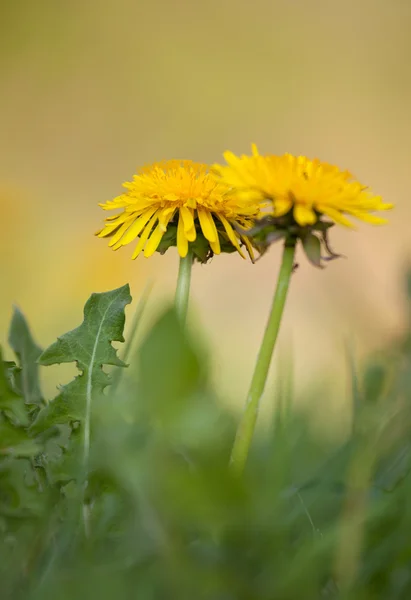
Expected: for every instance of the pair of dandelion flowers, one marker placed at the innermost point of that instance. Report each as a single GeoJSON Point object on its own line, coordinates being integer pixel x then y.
{"type": "Point", "coordinates": [244, 205]}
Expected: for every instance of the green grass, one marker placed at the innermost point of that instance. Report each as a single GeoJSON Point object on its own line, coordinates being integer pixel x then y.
{"type": "Point", "coordinates": [156, 513]}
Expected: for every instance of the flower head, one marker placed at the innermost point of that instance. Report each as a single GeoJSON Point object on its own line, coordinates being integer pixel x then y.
{"type": "Point", "coordinates": [297, 193]}
{"type": "Point", "coordinates": [309, 188]}
{"type": "Point", "coordinates": [177, 203]}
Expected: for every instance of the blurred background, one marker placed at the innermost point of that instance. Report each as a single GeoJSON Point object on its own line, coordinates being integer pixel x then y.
{"type": "Point", "coordinates": [92, 90]}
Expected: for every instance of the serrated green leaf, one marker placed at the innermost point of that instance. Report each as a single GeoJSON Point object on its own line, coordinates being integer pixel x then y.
{"type": "Point", "coordinates": [27, 352]}
{"type": "Point", "coordinates": [90, 346]}
{"type": "Point", "coordinates": [10, 402]}
{"type": "Point", "coordinates": [17, 497]}
{"type": "Point", "coordinates": [14, 441]}
{"type": "Point", "coordinates": [13, 372]}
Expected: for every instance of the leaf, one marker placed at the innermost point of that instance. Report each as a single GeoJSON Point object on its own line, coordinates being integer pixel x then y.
{"type": "Point", "coordinates": [312, 249]}
{"type": "Point", "coordinates": [14, 441]}
{"type": "Point", "coordinates": [10, 402]}
{"type": "Point", "coordinates": [90, 347]}
{"type": "Point", "coordinates": [375, 377]}
{"type": "Point", "coordinates": [17, 497]}
{"type": "Point", "coordinates": [169, 367]}
{"type": "Point", "coordinates": [27, 352]}
{"type": "Point", "coordinates": [14, 375]}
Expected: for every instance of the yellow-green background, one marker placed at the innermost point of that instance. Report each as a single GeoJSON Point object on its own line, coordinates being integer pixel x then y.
{"type": "Point", "coordinates": [92, 89]}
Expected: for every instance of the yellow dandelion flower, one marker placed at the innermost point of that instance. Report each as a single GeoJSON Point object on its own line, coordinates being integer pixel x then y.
{"type": "Point", "coordinates": [308, 188]}
{"type": "Point", "coordinates": [179, 203]}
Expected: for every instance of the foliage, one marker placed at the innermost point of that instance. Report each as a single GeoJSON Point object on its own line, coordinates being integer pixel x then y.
{"type": "Point", "coordinates": [127, 493]}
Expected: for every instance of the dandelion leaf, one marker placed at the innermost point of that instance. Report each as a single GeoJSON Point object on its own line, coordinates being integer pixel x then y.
{"type": "Point", "coordinates": [170, 368]}
{"type": "Point", "coordinates": [14, 441]}
{"type": "Point", "coordinates": [11, 402]}
{"type": "Point", "coordinates": [27, 352]}
{"type": "Point", "coordinates": [90, 347]}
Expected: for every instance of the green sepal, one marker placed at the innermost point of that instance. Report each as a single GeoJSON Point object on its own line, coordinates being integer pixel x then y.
{"type": "Point", "coordinates": [200, 247]}
{"type": "Point", "coordinates": [169, 239]}
{"type": "Point", "coordinates": [312, 249]}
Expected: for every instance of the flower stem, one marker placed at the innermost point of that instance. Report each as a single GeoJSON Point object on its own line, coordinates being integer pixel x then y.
{"type": "Point", "coordinates": [247, 424]}
{"type": "Point", "coordinates": [183, 286]}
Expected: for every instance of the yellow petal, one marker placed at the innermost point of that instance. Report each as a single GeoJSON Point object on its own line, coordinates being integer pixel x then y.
{"type": "Point", "coordinates": [191, 234]}
{"type": "Point", "coordinates": [144, 236]}
{"type": "Point", "coordinates": [368, 218]}
{"type": "Point", "coordinates": [154, 241]}
{"type": "Point", "coordinates": [231, 235]}
{"type": "Point", "coordinates": [182, 242]}
{"type": "Point", "coordinates": [230, 158]}
{"type": "Point", "coordinates": [111, 218]}
{"type": "Point", "coordinates": [188, 219]}
{"type": "Point", "coordinates": [304, 215]}
{"type": "Point", "coordinates": [138, 226]}
{"type": "Point", "coordinates": [215, 246]}
{"type": "Point", "coordinates": [254, 150]}
{"type": "Point", "coordinates": [386, 206]}
{"type": "Point", "coordinates": [109, 228]}
{"type": "Point", "coordinates": [249, 247]}
{"type": "Point", "coordinates": [281, 207]}
{"type": "Point", "coordinates": [121, 231]}
{"type": "Point", "coordinates": [118, 202]}
{"type": "Point", "coordinates": [191, 203]}
{"type": "Point", "coordinates": [164, 217]}
{"type": "Point", "coordinates": [171, 197]}
{"type": "Point", "coordinates": [335, 215]}
{"type": "Point", "coordinates": [207, 224]}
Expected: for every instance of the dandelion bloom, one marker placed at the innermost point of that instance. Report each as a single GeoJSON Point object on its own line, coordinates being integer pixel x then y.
{"type": "Point", "coordinates": [178, 202]}
{"type": "Point", "coordinates": [308, 188]}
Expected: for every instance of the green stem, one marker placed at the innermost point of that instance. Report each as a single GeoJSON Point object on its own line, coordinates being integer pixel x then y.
{"type": "Point", "coordinates": [247, 424]}
{"type": "Point", "coordinates": [183, 286]}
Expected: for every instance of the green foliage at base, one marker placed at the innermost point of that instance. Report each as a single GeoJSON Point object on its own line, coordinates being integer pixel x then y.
{"type": "Point", "coordinates": [162, 516]}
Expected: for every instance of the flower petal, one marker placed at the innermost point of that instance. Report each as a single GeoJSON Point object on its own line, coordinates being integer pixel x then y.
{"type": "Point", "coordinates": [191, 234]}
{"type": "Point", "coordinates": [215, 246]}
{"type": "Point", "coordinates": [207, 224]}
{"type": "Point", "coordinates": [182, 242]}
{"type": "Point", "coordinates": [138, 226]}
{"type": "Point", "coordinates": [304, 215]}
{"type": "Point", "coordinates": [154, 241]}
{"type": "Point", "coordinates": [231, 235]}
{"type": "Point", "coordinates": [165, 215]}
{"type": "Point", "coordinates": [249, 247]}
{"type": "Point", "coordinates": [368, 218]}
{"type": "Point", "coordinates": [335, 215]}
{"type": "Point", "coordinates": [109, 228]}
{"type": "Point", "coordinates": [188, 219]}
{"type": "Point", "coordinates": [281, 207]}
{"type": "Point", "coordinates": [144, 236]}
{"type": "Point", "coordinates": [121, 231]}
